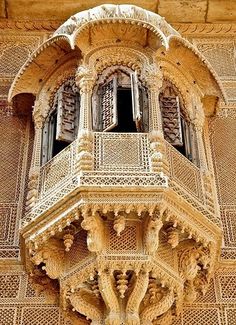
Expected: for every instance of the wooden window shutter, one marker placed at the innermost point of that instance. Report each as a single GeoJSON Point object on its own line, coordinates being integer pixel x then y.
{"type": "Point", "coordinates": [171, 120]}
{"type": "Point", "coordinates": [45, 143]}
{"type": "Point", "coordinates": [67, 115]}
{"type": "Point", "coordinates": [137, 116]}
{"type": "Point", "coordinates": [144, 108]}
{"type": "Point", "coordinates": [108, 102]}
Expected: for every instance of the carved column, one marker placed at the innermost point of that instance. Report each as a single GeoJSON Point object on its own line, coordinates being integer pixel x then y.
{"type": "Point", "coordinates": [158, 156]}
{"type": "Point", "coordinates": [85, 80]}
{"type": "Point", "coordinates": [198, 123]}
{"type": "Point", "coordinates": [34, 172]}
{"type": "Point", "coordinates": [154, 80]}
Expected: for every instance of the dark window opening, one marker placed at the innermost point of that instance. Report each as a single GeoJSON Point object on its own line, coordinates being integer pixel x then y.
{"type": "Point", "coordinates": [120, 104]}
{"type": "Point", "coordinates": [124, 110]}
{"type": "Point", "coordinates": [57, 145]}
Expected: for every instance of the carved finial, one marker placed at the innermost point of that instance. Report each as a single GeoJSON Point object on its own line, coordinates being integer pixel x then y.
{"type": "Point", "coordinates": [122, 283]}
{"type": "Point", "coordinates": [119, 224]}
{"type": "Point", "coordinates": [68, 241]}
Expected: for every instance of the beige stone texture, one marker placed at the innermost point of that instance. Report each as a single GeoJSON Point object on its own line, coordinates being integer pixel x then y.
{"type": "Point", "coordinates": [183, 11]}
{"type": "Point", "coordinates": [28, 9]}
{"type": "Point", "coordinates": [221, 10]}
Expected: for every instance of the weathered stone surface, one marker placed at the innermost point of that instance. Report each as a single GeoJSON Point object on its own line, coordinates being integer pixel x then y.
{"type": "Point", "coordinates": [28, 9]}
{"type": "Point", "coordinates": [219, 10]}
{"type": "Point", "coordinates": [2, 9]}
{"type": "Point", "coordinates": [183, 11]}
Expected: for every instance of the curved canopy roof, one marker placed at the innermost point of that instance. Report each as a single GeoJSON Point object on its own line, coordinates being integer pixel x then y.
{"type": "Point", "coordinates": [65, 42]}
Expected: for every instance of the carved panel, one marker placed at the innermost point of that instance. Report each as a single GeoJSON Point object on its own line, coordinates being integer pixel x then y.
{"type": "Point", "coordinates": [8, 315]}
{"type": "Point", "coordinates": [9, 286]}
{"type": "Point", "coordinates": [223, 131]}
{"type": "Point", "coordinates": [229, 227]}
{"type": "Point", "coordinates": [203, 316]}
{"type": "Point", "coordinates": [230, 316]}
{"type": "Point", "coordinates": [118, 152]}
{"type": "Point", "coordinates": [227, 288]}
{"type": "Point", "coordinates": [127, 241]}
{"type": "Point", "coordinates": [220, 54]}
{"type": "Point", "coordinates": [14, 144]}
{"type": "Point", "coordinates": [58, 170]}
{"type": "Point", "coordinates": [20, 304]}
{"type": "Point", "coordinates": [184, 172]}
{"type": "Point", "coordinates": [40, 315]}
{"type": "Point", "coordinates": [15, 50]}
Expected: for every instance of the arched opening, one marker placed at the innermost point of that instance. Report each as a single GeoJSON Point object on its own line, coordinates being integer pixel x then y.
{"type": "Point", "coordinates": [61, 125]}
{"type": "Point", "coordinates": [120, 102]}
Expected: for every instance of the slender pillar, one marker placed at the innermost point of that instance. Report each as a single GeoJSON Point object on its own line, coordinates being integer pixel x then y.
{"type": "Point", "coordinates": [199, 122]}
{"type": "Point", "coordinates": [33, 184]}
{"type": "Point", "coordinates": [159, 162]}
{"type": "Point", "coordinates": [85, 81]}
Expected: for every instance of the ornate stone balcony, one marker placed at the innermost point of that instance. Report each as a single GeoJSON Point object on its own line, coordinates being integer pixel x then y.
{"type": "Point", "coordinates": [133, 228]}
{"type": "Point", "coordinates": [120, 226]}
{"type": "Point", "coordinates": [123, 160]}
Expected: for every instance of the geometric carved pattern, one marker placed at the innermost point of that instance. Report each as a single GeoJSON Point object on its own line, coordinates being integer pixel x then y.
{"type": "Point", "coordinates": [12, 141]}
{"type": "Point", "coordinates": [79, 250]}
{"type": "Point", "coordinates": [9, 286]}
{"type": "Point", "coordinates": [7, 223]}
{"type": "Point", "coordinates": [117, 152]}
{"type": "Point", "coordinates": [230, 316]}
{"type": "Point", "coordinates": [184, 172]}
{"type": "Point", "coordinates": [43, 316]}
{"type": "Point", "coordinates": [224, 157]}
{"type": "Point", "coordinates": [229, 226]}
{"type": "Point", "coordinates": [203, 316]}
{"type": "Point", "coordinates": [127, 241]}
{"type": "Point", "coordinates": [221, 56]}
{"type": "Point", "coordinates": [227, 286]}
{"type": "Point", "coordinates": [19, 304]}
{"type": "Point", "coordinates": [14, 51]}
{"type": "Point", "coordinates": [8, 315]}
{"type": "Point", "coordinates": [58, 170]}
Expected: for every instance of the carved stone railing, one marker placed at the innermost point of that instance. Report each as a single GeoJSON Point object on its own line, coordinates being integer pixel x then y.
{"type": "Point", "coordinates": [128, 152]}
{"type": "Point", "coordinates": [186, 179]}
{"type": "Point", "coordinates": [120, 160]}
{"type": "Point", "coordinates": [58, 171]}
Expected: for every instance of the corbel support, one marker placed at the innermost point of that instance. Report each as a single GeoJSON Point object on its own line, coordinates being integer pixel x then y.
{"type": "Point", "coordinates": [135, 298]}
{"type": "Point", "coordinates": [108, 292]}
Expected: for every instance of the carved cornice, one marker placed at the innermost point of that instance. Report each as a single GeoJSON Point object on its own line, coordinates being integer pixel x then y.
{"type": "Point", "coordinates": [29, 25]}
{"type": "Point", "coordinates": [187, 29]}
{"type": "Point", "coordinates": [200, 29]}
